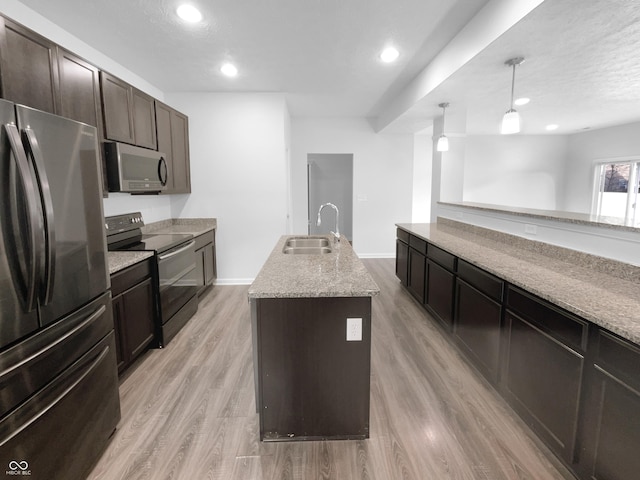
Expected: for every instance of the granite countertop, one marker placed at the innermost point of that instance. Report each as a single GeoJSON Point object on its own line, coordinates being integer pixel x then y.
{"type": "Point", "coordinates": [608, 299]}
{"type": "Point", "coordinates": [601, 221]}
{"type": "Point", "coordinates": [336, 274]}
{"type": "Point", "coordinates": [194, 226]}
{"type": "Point", "coordinates": [120, 260]}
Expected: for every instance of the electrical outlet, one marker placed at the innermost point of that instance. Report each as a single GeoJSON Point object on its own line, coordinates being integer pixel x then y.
{"type": "Point", "coordinates": [354, 329]}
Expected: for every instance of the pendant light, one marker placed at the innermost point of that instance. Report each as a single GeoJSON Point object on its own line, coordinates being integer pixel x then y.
{"type": "Point", "coordinates": [511, 119]}
{"type": "Point", "coordinates": [443, 141]}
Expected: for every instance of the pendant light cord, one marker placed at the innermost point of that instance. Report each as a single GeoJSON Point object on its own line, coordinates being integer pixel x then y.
{"type": "Point", "coordinates": [513, 84]}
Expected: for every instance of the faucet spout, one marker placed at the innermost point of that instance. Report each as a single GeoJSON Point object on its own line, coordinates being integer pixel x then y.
{"type": "Point", "coordinates": [336, 234]}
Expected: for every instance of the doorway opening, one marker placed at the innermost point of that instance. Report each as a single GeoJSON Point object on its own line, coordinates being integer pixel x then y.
{"type": "Point", "coordinates": [330, 180]}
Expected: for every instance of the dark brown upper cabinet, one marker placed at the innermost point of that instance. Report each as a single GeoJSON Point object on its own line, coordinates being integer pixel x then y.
{"type": "Point", "coordinates": [129, 114]}
{"type": "Point", "coordinates": [144, 119]}
{"type": "Point", "coordinates": [28, 67]}
{"type": "Point", "coordinates": [79, 89]}
{"type": "Point", "coordinates": [117, 107]}
{"type": "Point", "coordinates": [80, 95]}
{"type": "Point", "coordinates": [173, 141]}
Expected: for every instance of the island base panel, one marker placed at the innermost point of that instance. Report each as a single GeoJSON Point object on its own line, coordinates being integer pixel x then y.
{"type": "Point", "coordinates": [313, 384]}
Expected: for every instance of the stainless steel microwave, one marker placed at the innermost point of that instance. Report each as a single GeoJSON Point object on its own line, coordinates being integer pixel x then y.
{"type": "Point", "coordinates": [134, 169]}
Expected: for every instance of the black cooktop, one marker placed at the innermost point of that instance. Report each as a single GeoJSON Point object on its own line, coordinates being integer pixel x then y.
{"type": "Point", "coordinates": [160, 242]}
{"type": "Point", "coordinates": [124, 232]}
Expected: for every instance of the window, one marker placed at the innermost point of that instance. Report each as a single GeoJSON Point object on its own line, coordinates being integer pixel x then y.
{"type": "Point", "coordinates": [617, 190]}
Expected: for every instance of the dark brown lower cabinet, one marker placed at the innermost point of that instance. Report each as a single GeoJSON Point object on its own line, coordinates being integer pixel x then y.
{"type": "Point", "coordinates": [477, 328]}
{"type": "Point", "coordinates": [542, 382]}
{"type": "Point", "coordinates": [311, 383]}
{"type": "Point", "coordinates": [133, 312]}
{"type": "Point", "coordinates": [205, 260]}
{"type": "Point", "coordinates": [417, 274]}
{"type": "Point", "coordinates": [544, 362]}
{"type": "Point", "coordinates": [611, 421]}
{"type": "Point", "coordinates": [440, 292]}
{"type": "Point", "coordinates": [402, 261]}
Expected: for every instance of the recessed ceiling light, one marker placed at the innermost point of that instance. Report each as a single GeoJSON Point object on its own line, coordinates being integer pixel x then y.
{"type": "Point", "coordinates": [229, 70]}
{"type": "Point", "coordinates": [522, 101]}
{"type": "Point", "coordinates": [389, 55]}
{"type": "Point", "coordinates": [189, 13]}
{"type": "Point", "coordinates": [551, 127]}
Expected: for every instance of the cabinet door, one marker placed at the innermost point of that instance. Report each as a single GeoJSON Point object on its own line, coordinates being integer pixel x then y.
{"type": "Point", "coordinates": [80, 97]}
{"type": "Point", "coordinates": [121, 341]}
{"type": "Point", "coordinates": [144, 120]}
{"type": "Point", "coordinates": [28, 67]}
{"type": "Point", "coordinates": [477, 328]}
{"type": "Point", "coordinates": [209, 264]}
{"type": "Point", "coordinates": [173, 141]}
{"type": "Point", "coordinates": [180, 153]}
{"type": "Point", "coordinates": [542, 381]}
{"type": "Point", "coordinates": [439, 292]}
{"type": "Point", "coordinates": [402, 262]}
{"type": "Point", "coordinates": [138, 317]}
{"type": "Point", "coordinates": [117, 105]}
{"type": "Point", "coordinates": [417, 274]}
{"type": "Point", "coordinates": [79, 89]}
{"type": "Point", "coordinates": [611, 436]}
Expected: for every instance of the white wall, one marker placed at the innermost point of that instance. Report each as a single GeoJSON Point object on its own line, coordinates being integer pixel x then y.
{"type": "Point", "coordinates": [153, 207]}
{"type": "Point", "coordinates": [586, 149]}
{"type": "Point", "coordinates": [238, 175]}
{"type": "Point", "coordinates": [515, 170]}
{"type": "Point", "coordinates": [422, 164]}
{"type": "Point", "coordinates": [382, 177]}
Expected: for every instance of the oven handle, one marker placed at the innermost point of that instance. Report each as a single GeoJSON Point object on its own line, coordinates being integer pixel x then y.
{"type": "Point", "coordinates": [161, 258]}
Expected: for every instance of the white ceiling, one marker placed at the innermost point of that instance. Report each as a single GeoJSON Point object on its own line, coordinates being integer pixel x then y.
{"type": "Point", "coordinates": [581, 71]}
{"type": "Point", "coordinates": [322, 53]}
{"type": "Point", "coordinates": [582, 68]}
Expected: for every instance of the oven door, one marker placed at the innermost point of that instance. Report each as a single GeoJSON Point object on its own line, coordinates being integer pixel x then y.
{"type": "Point", "coordinates": [177, 275]}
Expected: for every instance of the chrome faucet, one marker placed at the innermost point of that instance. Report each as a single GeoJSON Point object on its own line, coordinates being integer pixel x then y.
{"type": "Point", "coordinates": [336, 234]}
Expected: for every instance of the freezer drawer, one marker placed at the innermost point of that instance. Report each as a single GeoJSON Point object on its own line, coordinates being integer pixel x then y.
{"type": "Point", "coordinates": [31, 364]}
{"type": "Point", "coordinates": [60, 432]}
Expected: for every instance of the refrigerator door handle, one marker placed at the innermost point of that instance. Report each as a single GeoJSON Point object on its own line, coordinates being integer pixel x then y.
{"type": "Point", "coordinates": [48, 273]}
{"type": "Point", "coordinates": [34, 219]}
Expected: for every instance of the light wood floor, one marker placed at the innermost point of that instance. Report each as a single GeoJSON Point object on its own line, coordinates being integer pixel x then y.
{"type": "Point", "coordinates": [188, 411]}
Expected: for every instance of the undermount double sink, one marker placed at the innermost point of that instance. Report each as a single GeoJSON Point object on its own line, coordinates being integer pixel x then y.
{"type": "Point", "coordinates": [307, 246]}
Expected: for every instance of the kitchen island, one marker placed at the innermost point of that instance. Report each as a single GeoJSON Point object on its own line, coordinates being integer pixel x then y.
{"type": "Point", "coordinates": [311, 328]}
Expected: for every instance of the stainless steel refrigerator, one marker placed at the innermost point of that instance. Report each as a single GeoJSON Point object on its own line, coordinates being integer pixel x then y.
{"type": "Point", "coordinates": [59, 399]}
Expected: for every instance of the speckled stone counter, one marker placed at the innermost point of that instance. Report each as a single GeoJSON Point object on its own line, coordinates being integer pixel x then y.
{"type": "Point", "coordinates": [336, 274]}
{"type": "Point", "coordinates": [600, 221]}
{"type": "Point", "coordinates": [194, 226]}
{"type": "Point", "coordinates": [121, 260]}
{"type": "Point", "coordinates": [602, 291]}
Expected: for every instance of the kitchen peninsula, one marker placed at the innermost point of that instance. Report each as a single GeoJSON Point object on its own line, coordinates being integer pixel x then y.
{"type": "Point", "coordinates": [311, 328]}
{"type": "Point", "coordinates": [556, 331]}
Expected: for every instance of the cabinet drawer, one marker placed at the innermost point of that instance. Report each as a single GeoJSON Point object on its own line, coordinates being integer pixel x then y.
{"type": "Point", "coordinates": [445, 259]}
{"type": "Point", "coordinates": [402, 235]}
{"type": "Point", "coordinates": [129, 277]}
{"type": "Point", "coordinates": [204, 239]}
{"type": "Point", "coordinates": [483, 281]}
{"type": "Point", "coordinates": [418, 244]}
{"type": "Point", "coordinates": [564, 327]}
{"type": "Point", "coordinates": [619, 358]}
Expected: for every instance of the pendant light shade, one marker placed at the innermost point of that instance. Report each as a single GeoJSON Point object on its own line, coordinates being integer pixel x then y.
{"type": "Point", "coordinates": [511, 119]}
{"type": "Point", "coordinates": [443, 141]}
{"type": "Point", "coordinates": [510, 122]}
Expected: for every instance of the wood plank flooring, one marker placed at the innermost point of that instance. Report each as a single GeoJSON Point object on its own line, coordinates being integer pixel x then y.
{"type": "Point", "coordinates": [188, 411]}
